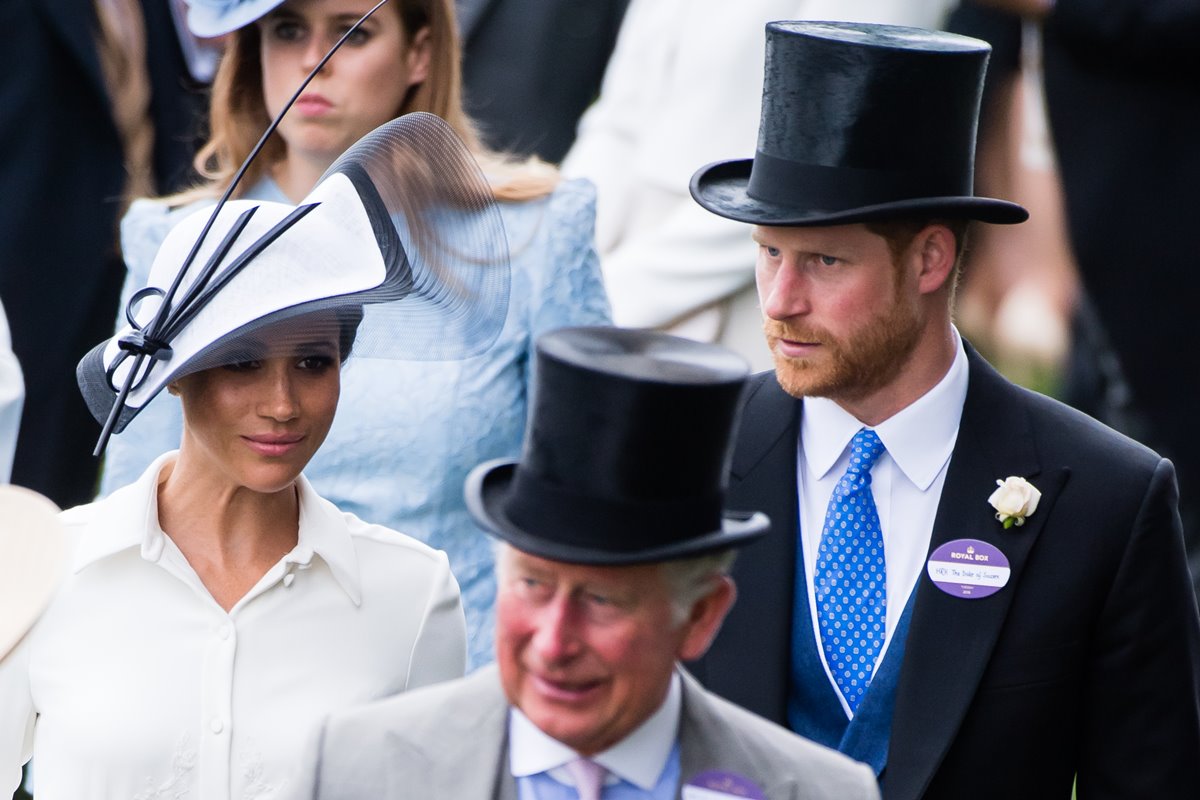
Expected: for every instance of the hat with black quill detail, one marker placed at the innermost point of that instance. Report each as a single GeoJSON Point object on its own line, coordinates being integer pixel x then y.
{"type": "Point", "coordinates": [402, 233]}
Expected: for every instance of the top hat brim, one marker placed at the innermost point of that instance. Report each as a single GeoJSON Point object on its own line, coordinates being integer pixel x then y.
{"type": "Point", "coordinates": [722, 188]}
{"type": "Point", "coordinates": [490, 484]}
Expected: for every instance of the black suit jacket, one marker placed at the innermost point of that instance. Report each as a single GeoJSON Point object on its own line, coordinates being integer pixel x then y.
{"type": "Point", "coordinates": [1088, 660]}
{"type": "Point", "coordinates": [62, 175]}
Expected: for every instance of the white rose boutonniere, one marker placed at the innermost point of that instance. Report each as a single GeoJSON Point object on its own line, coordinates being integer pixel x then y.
{"type": "Point", "coordinates": [1014, 500]}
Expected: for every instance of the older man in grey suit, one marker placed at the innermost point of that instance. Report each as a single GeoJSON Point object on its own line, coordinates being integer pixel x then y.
{"type": "Point", "coordinates": [613, 567]}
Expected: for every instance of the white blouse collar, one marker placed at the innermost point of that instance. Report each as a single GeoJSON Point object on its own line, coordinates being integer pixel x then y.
{"type": "Point", "coordinates": [111, 529]}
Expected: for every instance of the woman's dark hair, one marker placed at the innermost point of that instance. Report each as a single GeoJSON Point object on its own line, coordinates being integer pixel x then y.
{"type": "Point", "coordinates": [348, 322]}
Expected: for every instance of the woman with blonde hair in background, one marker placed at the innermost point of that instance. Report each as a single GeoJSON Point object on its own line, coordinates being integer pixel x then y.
{"type": "Point", "coordinates": [408, 432]}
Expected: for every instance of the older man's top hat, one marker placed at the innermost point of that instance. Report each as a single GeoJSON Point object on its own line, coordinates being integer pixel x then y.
{"type": "Point", "coordinates": [860, 122]}
{"type": "Point", "coordinates": [625, 457]}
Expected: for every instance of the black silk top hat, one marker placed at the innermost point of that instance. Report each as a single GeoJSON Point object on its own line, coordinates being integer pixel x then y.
{"type": "Point", "coordinates": [626, 453]}
{"type": "Point", "coordinates": [860, 122]}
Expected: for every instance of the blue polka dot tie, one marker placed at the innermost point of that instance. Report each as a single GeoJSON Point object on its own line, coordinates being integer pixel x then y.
{"type": "Point", "coordinates": [849, 579]}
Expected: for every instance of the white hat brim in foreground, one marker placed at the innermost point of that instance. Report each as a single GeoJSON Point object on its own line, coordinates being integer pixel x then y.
{"type": "Point", "coordinates": [33, 561]}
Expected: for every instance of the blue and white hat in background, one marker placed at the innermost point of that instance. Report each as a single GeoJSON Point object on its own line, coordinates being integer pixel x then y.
{"type": "Point", "coordinates": [209, 18]}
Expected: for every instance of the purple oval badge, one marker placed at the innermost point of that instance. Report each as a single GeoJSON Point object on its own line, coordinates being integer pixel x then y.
{"type": "Point", "coordinates": [719, 785]}
{"type": "Point", "coordinates": [968, 568]}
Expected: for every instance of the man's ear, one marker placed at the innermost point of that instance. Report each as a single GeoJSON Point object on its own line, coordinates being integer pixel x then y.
{"type": "Point", "coordinates": [705, 619]}
{"type": "Point", "coordinates": [935, 250]}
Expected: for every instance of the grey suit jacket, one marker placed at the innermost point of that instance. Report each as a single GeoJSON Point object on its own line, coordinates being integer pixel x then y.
{"type": "Point", "coordinates": [451, 741]}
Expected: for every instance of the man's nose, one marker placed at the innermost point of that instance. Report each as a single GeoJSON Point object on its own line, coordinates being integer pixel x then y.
{"type": "Point", "coordinates": [784, 294]}
{"type": "Point", "coordinates": [557, 637]}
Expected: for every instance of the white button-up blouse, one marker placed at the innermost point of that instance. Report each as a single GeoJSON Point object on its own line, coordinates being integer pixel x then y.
{"type": "Point", "coordinates": [136, 685]}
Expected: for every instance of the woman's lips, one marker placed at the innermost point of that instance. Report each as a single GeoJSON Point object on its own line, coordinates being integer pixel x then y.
{"type": "Point", "coordinates": [271, 445]}
{"type": "Point", "coordinates": [313, 105]}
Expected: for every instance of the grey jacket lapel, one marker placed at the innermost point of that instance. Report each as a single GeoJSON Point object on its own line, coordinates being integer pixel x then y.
{"type": "Point", "coordinates": [950, 639]}
{"type": "Point", "coordinates": [707, 742]}
{"type": "Point", "coordinates": [467, 758]}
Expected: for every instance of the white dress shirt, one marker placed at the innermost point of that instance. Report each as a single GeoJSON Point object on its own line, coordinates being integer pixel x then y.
{"type": "Point", "coordinates": [12, 398]}
{"type": "Point", "coordinates": [136, 684]}
{"type": "Point", "coordinates": [906, 482]}
{"type": "Point", "coordinates": [639, 758]}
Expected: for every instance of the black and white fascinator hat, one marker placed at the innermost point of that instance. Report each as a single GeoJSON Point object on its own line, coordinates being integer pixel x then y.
{"type": "Point", "coordinates": [402, 233]}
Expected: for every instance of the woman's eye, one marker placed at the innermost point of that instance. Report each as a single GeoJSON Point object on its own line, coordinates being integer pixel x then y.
{"type": "Point", "coordinates": [286, 31]}
{"type": "Point", "coordinates": [359, 37]}
{"type": "Point", "coordinates": [243, 366]}
{"type": "Point", "coordinates": [315, 362]}
{"type": "Point", "coordinates": [828, 261]}
{"type": "Point", "coordinates": [773, 252]}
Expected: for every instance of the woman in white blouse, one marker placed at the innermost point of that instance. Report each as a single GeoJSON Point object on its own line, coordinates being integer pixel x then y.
{"type": "Point", "coordinates": [217, 608]}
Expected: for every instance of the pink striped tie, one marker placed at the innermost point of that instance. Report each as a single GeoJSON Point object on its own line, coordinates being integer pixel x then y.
{"type": "Point", "coordinates": [588, 777]}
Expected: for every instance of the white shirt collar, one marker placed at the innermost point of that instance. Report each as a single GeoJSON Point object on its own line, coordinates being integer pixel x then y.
{"type": "Point", "coordinates": [919, 437]}
{"type": "Point", "coordinates": [110, 531]}
{"type": "Point", "coordinates": [638, 758]}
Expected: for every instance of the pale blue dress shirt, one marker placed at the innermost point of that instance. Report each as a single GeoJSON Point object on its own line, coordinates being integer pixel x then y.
{"type": "Point", "coordinates": [407, 433]}
{"type": "Point", "coordinates": [545, 787]}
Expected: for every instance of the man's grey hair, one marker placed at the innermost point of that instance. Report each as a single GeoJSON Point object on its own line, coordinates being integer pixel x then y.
{"type": "Point", "coordinates": [687, 579]}
{"type": "Point", "coordinates": [690, 579]}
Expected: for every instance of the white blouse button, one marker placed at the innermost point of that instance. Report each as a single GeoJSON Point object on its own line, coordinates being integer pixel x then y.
{"type": "Point", "coordinates": [224, 631]}
{"type": "Point", "coordinates": [216, 726]}
{"type": "Point", "coordinates": [287, 580]}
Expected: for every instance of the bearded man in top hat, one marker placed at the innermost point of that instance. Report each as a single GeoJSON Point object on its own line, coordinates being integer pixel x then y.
{"type": "Point", "coordinates": [964, 639]}
{"type": "Point", "coordinates": [612, 565]}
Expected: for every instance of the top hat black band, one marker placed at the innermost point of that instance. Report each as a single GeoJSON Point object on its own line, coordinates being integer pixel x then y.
{"type": "Point", "coordinates": [814, 186]}
{"type": "Point", "coordinates": [544, 509]}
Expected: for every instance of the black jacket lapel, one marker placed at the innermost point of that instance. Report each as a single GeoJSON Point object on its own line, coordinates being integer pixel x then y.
{"type": "Point", "coordinates": [951, 639]}
{"type": "Point", "coordinates": [758, 630]}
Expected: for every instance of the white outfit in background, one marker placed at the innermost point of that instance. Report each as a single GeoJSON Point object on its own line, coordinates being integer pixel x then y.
{"type": "Point", "coordinates": [136, 685]}
{"type": "Point", "coordinates": [684, 89]}
{"type": "Point", "coordinates": [12, 397]}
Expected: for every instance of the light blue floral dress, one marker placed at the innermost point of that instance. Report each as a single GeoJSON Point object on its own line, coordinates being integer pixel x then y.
{"type": "Point", "coordinates": [407, 433]}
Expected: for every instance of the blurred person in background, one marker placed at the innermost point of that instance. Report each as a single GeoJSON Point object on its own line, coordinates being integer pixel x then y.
{"type": "Point", "coordinates": [12, 396]}
{"type": "Point", "coordinates": [95, 106]}
{"type": "Point", "coordinates": [683, 88]}
{"type": "Point", "coordinates": [408, 432]}
{"type": "Point", "coordinates": [1124, 114]}
{"type": "Point", "coordinates": [531, 68]}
